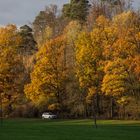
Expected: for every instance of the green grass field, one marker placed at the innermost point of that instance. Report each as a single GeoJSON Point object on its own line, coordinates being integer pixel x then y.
{"type": "Point", "coordinates": [31, 129]}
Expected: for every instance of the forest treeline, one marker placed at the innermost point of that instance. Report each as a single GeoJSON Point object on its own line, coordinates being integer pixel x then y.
{"type": "Point", "coordinates": [80, 62]}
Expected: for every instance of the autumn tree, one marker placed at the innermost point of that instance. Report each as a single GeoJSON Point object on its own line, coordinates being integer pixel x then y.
{"type": "Point", "coordinates": [121, 43]}
{"type": "Point", "coordinates": [46, 89]}
{"type": "Point", "coordinates": [11, 67]}
{"type": "Point", "coordinates": [116, 82]}
{"type": "Point", "coordinates": [89, 66]}
{"type": "Point", "coordinates": [126, 45]}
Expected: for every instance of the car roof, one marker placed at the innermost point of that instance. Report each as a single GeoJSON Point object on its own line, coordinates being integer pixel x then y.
{"type": "Point", "coordinates": [47, 112]}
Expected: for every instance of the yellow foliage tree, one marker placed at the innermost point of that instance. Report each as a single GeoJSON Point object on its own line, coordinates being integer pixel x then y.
{"type": "Point", "coordinates": [48, 77]}
{"type": "Point", "coordinates": [11, 67]}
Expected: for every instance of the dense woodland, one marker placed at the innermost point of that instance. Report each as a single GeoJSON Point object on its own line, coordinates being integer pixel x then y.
{"type": "Point", "coordinates": [81, 62]}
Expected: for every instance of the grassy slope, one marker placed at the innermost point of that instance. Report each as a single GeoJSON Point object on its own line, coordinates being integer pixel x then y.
{"type": "Point", "coordinates": [69, 130]}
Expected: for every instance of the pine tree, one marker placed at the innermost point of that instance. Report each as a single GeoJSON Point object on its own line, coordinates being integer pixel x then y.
{"type": "Point", "coordinates": [76, 10]}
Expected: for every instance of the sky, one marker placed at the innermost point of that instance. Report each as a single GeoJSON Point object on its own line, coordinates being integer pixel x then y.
{"type": "Point", "coordinates": [22, 12]}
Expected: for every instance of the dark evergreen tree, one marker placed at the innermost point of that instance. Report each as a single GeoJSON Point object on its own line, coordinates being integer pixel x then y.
{"type": "Point", "coordinates": [27, 50]}
{"type": "Point", "coordinates": [28, 46]}
{"type": "Point", "coordinates": [76, 10]}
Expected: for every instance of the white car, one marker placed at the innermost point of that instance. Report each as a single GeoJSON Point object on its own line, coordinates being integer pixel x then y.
{"type": "Point", "coordinates": [48, 115]}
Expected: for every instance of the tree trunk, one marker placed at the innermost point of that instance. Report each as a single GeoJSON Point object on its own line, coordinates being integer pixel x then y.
{"type": "Point", "coordinates": [95, 110]}
{"type": "Point", "coordinates": [98, 104]}
{"type": "Point", "coordinates": [124, 112]}
{"type": "Point", "coordinates": [112, 108]}
{"type": "Point", "coordinates": [10, 108]}
{"type": "Point", "coordinates": [1, 108]}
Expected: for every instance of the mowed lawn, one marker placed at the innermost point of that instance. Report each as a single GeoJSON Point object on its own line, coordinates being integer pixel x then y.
{"type": "Point", "coordinates": [32, 129]}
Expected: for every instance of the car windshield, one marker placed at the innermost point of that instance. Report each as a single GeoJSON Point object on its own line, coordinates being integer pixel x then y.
{"type": "Point", "coordinates": [48, 113]}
